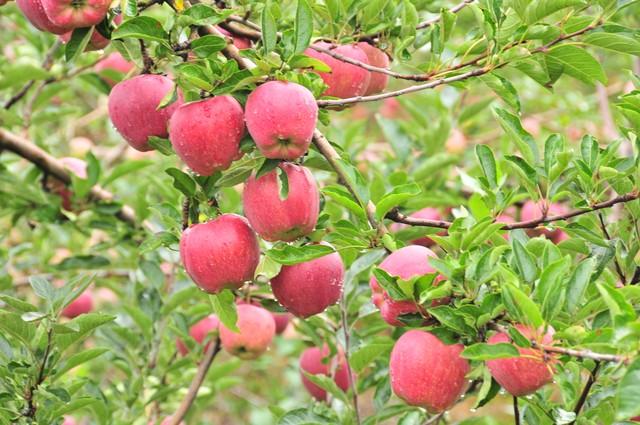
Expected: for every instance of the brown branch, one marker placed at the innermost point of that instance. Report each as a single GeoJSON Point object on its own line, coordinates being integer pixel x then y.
{"type": "Point", "coordinates": [198, 379]}
{"type": "Point", "coordinates": [516, 411]}
{"type": "Point", "coordinates": [31, 409]}
{"type": "Point", "coordinates": [186, 205]}
{"type": "Point", "coordinates": [585, 390]}
{"type": "Point", "coordinates": [398, 217]}
{"type": "Point", "coordinates": [455, 9]}
{"type": "Point", "coordinates": [146, 59]}
{"type": "Point", "coordinates": [54, 167]}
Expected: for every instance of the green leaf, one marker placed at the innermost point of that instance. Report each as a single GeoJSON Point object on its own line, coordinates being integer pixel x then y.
{"type": "Point", "coordinates": [542, 8]}
{"type": "Point", "coordinates": [42, 288]}
{"type": "Point", "coordinates": [503, 88]}
{"type": "Point", "coordinates": [125, 168]}
{"type": "Point", "coordinates": [577, 63]}
{"type": "Point", "coordinates": [182, 181]}
{"type": "Point", "coordinates": [269, 28]}
{"type": "Point", "coordinates": [452, 319]}
{"type": "Point", "coordinates": [305, 417]}
{"type": "Point", "coordinates": [628, 393]}
{"type": "Point", "coordinates": [12, 324]}
{"type": "Point", "coordinates": [307, 62]}
{"type": "Point", "coordinates": [208, 45]}
{"type": "Point", "coordinates": [521, 306]}
{"type": "Point", "coordinates": [141, 27]}
{"type": "Point", "coordinates": [83, 262]}
{"type": "Point", "coordinates": [85, 324]}
{"type": "Point", "coordinates": [366, 354]}
{"type": "Point", "coordinates": [488, 164]}
{"type": "Point", "coordinates": [303, 26]}
{"type": "Point", "coordinates": [289, 254]}
{"type": "Point", "coordinates": [328, 384]}
{"type": "Point", "coordinates": [482, 351]}
{"type": "Point", "coordinates": [224, 306]}
{"type": "Point", "coordinates": [615, 300]}
{"type": "Point", "coordinates": [77, 359]}
{"type": "Point", "coordinates": [512, 126]}
{"type": "Point", "coordinates": [203, 14]}
{"type": "Point", "coordinates": [389, 284]}
{"type": "Point", "coordinates": [578, 284]}
{"type": "Point", "coordinates": [615, 42]}
{"type": "Point", "coordinates": [18, 304]}
{"type": "Point", "coordinates": [396, 197]}
{"type": "Point", "coordinates": [77, 43]}
{"type": "Point", "coordinates": [524, 261]}
{"type": "Point", "coordinates": [283, 184]}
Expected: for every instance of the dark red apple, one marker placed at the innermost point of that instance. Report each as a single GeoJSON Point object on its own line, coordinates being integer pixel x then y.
{"type": "Point", "coordinates": [378, 81]}
{"type": "Point", "coordinates": [315, 361]}
{"type": "Point", "coordinates": [282, 321]}
{"type": "Point", "coordinates": [344, 80]}
{"type": "Point", "coordinates": [206, 134]}
{"type": "Point", "coordinates": [281, 117]}
{"type": "Point", "coordinates": [275, 219]}
{"type": "Point", "coordinates": [522, 375]}
{"type": "Point", "coordinates": [72, 14]}
{"type": "Point", "coordinates": [426, 372]}
{"type": "Point", "coordinates": [308, 288]}
{"type": "Point", "coordinates": [222, 253]}
{"type": "Point", "coordinates": [199, 331]}
{"type": "Point", "coordinates": [33, 10]}
{"type": "Point", "coordinates": [81, 305]}
{"type": "Point", "coordinates": [133, 109]}
{"type": "Point", "coordinates": [257, 329]}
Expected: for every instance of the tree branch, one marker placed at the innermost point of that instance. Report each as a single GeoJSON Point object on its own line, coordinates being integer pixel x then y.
{"type": "Point", "coordinates": [516, 411]}
{"type": "Point", "coordinates": [455, 9]}
{"type": "Point", "coordinates": [198, 379]}
{"type": "Point", "coordinates": [585, 390]}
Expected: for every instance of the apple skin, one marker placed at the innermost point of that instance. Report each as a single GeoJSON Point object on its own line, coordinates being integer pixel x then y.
{"type": "Point", "coordinates": [257, 329]}
{"type": "Point", "coordinates": [277, 220]}
{"type": "Point", "coordinates": [114, 62]}
{"type": "Point", "coordinates": [522, 376]}
{"type": "Point", "coordinates": [344, 80]}
{"type": "Point", "coordinates": [199, 331]}
{"type": "Point", "coordinates": [281, 117]}
{"type": "Point", "coordinates": [282, 321]}
{"type": "Point", "coordinates": [308, 288]}
{"type": "Point", "coordinates": [426, 372]}
{"type": "Point", "coordinates": [97, 41]}
{"type": "Point", "coordinates": [81, 305]}
{"type": "Point", "coordinates": [133, 109]}
{"type": "Point", "coordinates": [77, 167]}
{"type": "Point", "coordinates": [377, 80]}
{"type": "Point", "coordinates": [506, 219]}
{"type": "Point", "coordinates": [531, 211]}
{"type": "Point", "coordinates": [206, 134]}
{"type": "Point", "coordinates": [241, 43]}
{"type": "Point", "coordinates": [68, 420]}
{"type": "Point", "coordinates": [72, 14]}
{"type": "Point", "coordinates": [404, 263]}
{"type": "Point", "coordinates": [311, 362]}
{"type": "Point", "coordinates": [427, 213]}
{"type": "Point", "coordinates": [33, 10]}
{"type": "Point", "coordinates": [221, 253]}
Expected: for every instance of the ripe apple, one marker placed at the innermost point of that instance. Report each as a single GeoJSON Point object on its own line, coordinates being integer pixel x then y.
{"type": "Point", "coordinates": [113, 62]}
{"type": "Point", "coordinates": [344, 80]}
{"type": "Point", "coordinates": [282, 321]}
{"type": "Point", "coordinates": [241, 43]}
{"type": "Point", "coordinates": [308, 288]}
{"type": "Point", "coordinates": [81, 305]}
{"type": "Point", "coordinates": [378, 81]}
{"type": "Point", "coordinates": [97, 41]}
{"type": "Point", "coordinates": [206, 134]}
{"type": "Point", "coordinates": [427, 213]}
{"type": "Point", "coordinates": [391, 108]}
{"type": "Point", "coordinates": [457, 142]}
{"type": "Point", "coordinates": [72, 14]}
{"type": "Point", "coordinates": [281, 117]}
{"type": "Point", "coordinates": [405, 263]}
{"type": "Point", "coordinates": [506, 219]}
{"type": "Point", "coordinates": [316, 361]}
{"type": "Point", "coordinates": [532, 210]}
{"type": "Point", "coordinates": [221, 253]}
{"type": "Point", "coordinates": [426, 372]}
{"type": "Point", "coordinates": [257, 329]}
{"type": "Point", "coordinates": [34, 11]}
{"type": "Point", "coordinates": [522, 375]}
{"type": "Point", "coordinates": [68, 420]}
{"type": "Point", "coordinates": [133, 109]}
{"type": "Point", "coordinates": [199, 331]}
{"type": "Point", "coordinates": [275, 219]}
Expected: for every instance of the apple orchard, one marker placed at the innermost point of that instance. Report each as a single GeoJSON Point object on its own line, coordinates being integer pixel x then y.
{"type": "Point", "coordinates": [319, 212]}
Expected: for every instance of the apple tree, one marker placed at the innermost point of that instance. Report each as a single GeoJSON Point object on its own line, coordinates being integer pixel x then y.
{"type": "Point", "coordinates": [319, 212]}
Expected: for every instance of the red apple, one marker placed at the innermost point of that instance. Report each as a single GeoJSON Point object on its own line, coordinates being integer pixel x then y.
{"type": "Point", "coordinates": [391, 108]}
{"type": "Point", "coordinates": [378, 81]}
{"type": "Point", "coordinates": [405, 263]}
{"type": "Point", "coordinates": [81, 305]}
{"type": "Point", "coordinates": [426, 214]}
{"type": "Point", "coordinates": [344, 80]}
{"type": "Point", "coordinates": [72, 14]}
{"type": "Point", "coordinates": [308, 288]}
{"type": "Point", "coordinates": [257, 329]}
{"type": "Point", "coordinates": [506, 219]}
{"type": "Point", "coordinates": [221, 253]}
{"type": "Point", "coordinates": [522, 375]}
{"type": "Point", "coordinates": [275, 219]}
{"type": "Point", "coordinates": [281, 117]}
{"type": "Point", "coordinates": [133, 109]}
{"type": "Point", "coordinates": [96, 42]}
{"type": "Point", "coordinates": [206, 134]}
{"type": "Point", "coordinates": [241, 43]}
{"type": "Point", "coordinates": [33, 10]}
{"type": "Point", "coordinates": [68, 420]}
{"type": "Point", "coordinates": [199, 332]}
{"type": "Point", "coordinates": [114, 62]}
{"type": "Point", "coordinates": [532, 211]}
{"type": "Point", "coordinates": [282, 321]}
{"type": "Point", "coordinates": [426, 372]}
{"type": "Point", "coordinates": [457, 142]}
{"type": "Point", "coordinates": [315, 361]}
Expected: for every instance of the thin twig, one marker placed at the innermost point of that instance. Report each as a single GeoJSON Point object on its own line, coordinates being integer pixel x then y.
{"type": "Point", "coordinates": [186, 205]}
{"type": "Point", "coordinates": [585, 391]}
{"type": "Point", "coordinates": [146, 59]}
{"type": "Point", "coordinates": [603, 226]}
{"type": "Point", "coordinates": [516, 411]}
{"type": "Point", "coordinates": [31, 409]}
{"type": "Point", "coordinates": [198, 379]}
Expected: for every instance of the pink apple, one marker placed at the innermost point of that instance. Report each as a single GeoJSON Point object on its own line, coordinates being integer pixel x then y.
{"type": "Point", "coordinates": [33, 10]}
{"type": "Point", "coordinates": [199, 332]}
{"type": "Point", "coordinates": [221, 253]}
{"type": "Point", "coordinates": [315, 361]}
{"type": "Point", "coordinates": [281, 117]}
{"type": "Point", "coordinates": [426, 214]}
{"type": "Point", "coordinates": [532, 210]}
{"type": "Point", "coordinates": [344, 80]}
{"type": "Point", "coordinates": [68, 420]}
{"type": "Point", "coordinates": [282, 321]}
{"type": "Point", "coordinates": [96, 42]}
{"type": "Point", "coordinates": [241, 43]}
{"type": "Point", "coordinates": [391, 108]}
{"type": "Point", "coordinates": [81, 305]}
{"type": "Point", "coordinates": [522, 375]}
{"type": "Point", "coordinates": [274, 218]}
{"type": "Point", "coordinates": [308, 288]}
{"type": "Point", "coordinates": [506, 219]}
{"type": "Point", "coordinates": [206, 134]}
{"type": "Point", "coordinates": [257, 329]}
{"type": "Point", "coordinates": [72, 14]}
{"type": "Point", "coordinates": [133, 109]}
{"type": "Point", "coordinates": [378, 58]}
{"type": "Point", "coordinates": [426, 372]}
{"type": "Point", "coordinates": [114, 62]}
{"type": "Point", "coordinates": [457, 142]}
